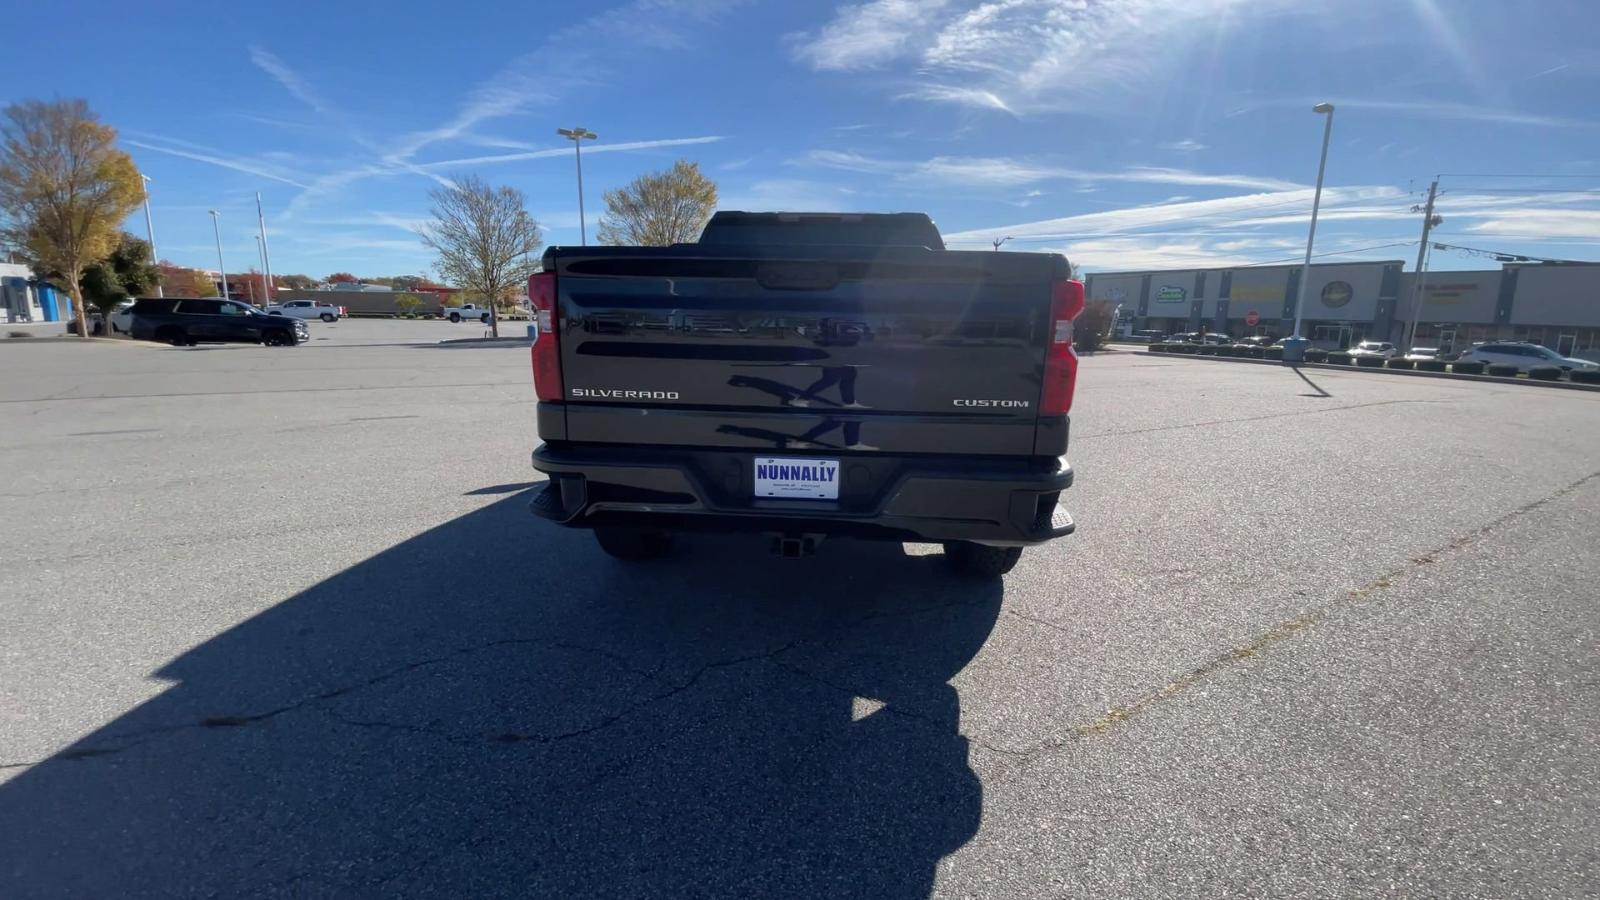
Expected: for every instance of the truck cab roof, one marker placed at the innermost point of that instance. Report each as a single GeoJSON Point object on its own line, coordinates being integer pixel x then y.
{"type": "Point", "coordinates": [735, 228]}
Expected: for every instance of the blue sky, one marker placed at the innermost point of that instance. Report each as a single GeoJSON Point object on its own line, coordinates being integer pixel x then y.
{"type": "Point", "coordinates": [1125, 133]}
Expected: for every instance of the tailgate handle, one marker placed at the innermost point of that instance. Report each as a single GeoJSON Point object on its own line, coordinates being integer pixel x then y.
{"type": "Point", "coordinates": [797, 276]}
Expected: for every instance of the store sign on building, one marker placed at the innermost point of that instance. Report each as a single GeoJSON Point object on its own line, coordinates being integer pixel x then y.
{"type": "Point", "coordinates": [1336, 294]}
{"type": "Point", "coordinates": [1260, 293]}
{"type": "Point", "coordinates": [1171, 293]}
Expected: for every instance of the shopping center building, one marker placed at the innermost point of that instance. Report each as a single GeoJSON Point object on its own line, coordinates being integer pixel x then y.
{"type": "Point", "coordinates": [1557, 305]}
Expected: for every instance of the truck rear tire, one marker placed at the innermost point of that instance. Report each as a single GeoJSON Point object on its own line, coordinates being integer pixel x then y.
{"type": "Point", "coordinates": [633, 543]}
{"type": "Point", "coordinates": [978, 561]}
{"type": "Point", "coordinates": [329, 317]}
{"type": "Point", "coordinates": [455, 317]}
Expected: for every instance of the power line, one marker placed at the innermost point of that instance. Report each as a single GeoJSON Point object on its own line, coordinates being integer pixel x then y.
{"type": "Point", "coordinates": [1504, 256]}
{"type": "Point", "coordinates": [1273, 262]}
{"type": "Point", "coordinates": [1503, 175]}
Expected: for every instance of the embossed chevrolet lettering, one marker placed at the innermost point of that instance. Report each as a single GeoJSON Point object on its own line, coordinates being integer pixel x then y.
{"type": "Point", "coordinates": [605, 394]}
{"type": "Point", "coordinates": [1006, 404]}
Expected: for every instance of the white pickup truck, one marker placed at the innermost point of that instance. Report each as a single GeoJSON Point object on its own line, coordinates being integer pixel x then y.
{"type": "Point", "coordinates": [306, 309]}
{"type": "Point", "coordinates": [466, 311]}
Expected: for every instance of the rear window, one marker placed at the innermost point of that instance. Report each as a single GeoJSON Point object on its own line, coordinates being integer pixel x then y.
{"type": "Point", "coordinates": [152, 306]}
{"type": "Point", "coordinates": [739, 229]}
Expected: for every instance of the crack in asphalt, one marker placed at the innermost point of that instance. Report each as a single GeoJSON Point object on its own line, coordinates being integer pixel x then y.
{"type": "Point", "coordinates": [1282, 631]}
{"type": "Point", "coordinates": [317, 702]}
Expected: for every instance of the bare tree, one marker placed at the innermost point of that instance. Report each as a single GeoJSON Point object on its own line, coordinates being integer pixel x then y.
{"type": "Point", "coordinates": [660, 208]}
{"type": "Point", "coordinates": [485, 239]}
{"type": "Point", "coordinates": [64, 190]}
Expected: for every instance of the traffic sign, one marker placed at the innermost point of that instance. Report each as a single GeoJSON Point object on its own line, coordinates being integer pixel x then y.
{"type": "Point", "coordinates": [1252, 317]}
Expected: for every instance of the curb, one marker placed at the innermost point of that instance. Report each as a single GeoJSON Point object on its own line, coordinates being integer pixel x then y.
{"type": "Point", "coordinates": [74, 339]}
{"type": "Point", "coordinates": [1412, 373]}
{"type": "Point", "coordinates": [519, 339]}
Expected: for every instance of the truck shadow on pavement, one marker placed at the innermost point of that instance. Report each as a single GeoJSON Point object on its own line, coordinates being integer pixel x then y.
{"type": "Point", "coordinates": [493, 707]}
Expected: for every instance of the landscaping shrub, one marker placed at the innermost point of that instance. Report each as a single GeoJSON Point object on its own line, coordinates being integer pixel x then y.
{"type": "Point", "coordinates": [1432, 365]}
{"type": "Point", "coordinates": [1370, 362]}
{"type": "Point", "coordinates": [1504, 370]}
{"type": "Point", "coordinates": [1316, 355]}
{"type": "Point", "coordinates": [1157, 348]}
{"type": "Point", "coordinates": [1545, 373]}
{"type": "Point", "coordinates": [1585, 376]}
{"type": "Point", "coordinates": [1399, 363]}
{"type": "Point", "coordinates": [1467, 368]}
{"type": "Point", "coordinates": [1338, 358]}
{"type": "Point", "coordinates": [1272, 353]}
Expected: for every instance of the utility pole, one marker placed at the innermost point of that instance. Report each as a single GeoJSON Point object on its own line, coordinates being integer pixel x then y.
{"type": "Point", "coordinates": [266, 252]}
{"type": "Point", "coordinates": [1428, 221]}
{"type": "Point", "coordinates": [150, 230]}
{"type": "Point", "coordinates": [261, 256]}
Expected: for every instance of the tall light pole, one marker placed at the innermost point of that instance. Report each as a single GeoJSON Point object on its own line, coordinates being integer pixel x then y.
{"type": "Point", "coordinates": [1294, 349]}
{"type": "Point", "coordinates": [577, 136]}
{"type": "Point", "coordinates": [221, 270]}
{"type": "Point", "coordinates": [266, 252]}
{"type": "Point", "coordinates": [150, 230]}
{"type": "Point", "coordinates": [261, 256]}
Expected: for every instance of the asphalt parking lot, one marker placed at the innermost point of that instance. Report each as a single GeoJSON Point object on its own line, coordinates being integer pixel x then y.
{"type": "Point", "coordinates": [277, 621]}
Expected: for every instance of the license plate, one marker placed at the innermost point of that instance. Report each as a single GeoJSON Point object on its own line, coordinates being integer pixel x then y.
{"type": "Point", "coordinates": [808, 479]}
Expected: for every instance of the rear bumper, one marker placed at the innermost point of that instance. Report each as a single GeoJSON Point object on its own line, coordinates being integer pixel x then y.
{"type": "Point", "coordinates": [997, 501]}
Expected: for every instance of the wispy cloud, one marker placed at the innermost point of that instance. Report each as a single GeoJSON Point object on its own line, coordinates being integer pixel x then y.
{"type": "Point", "coordinates": [1003, 171]}
{"type": "Point", "coordinates": [1187, 145]}
{"type": "Point", "coordinates": [1542, 223]}
{"type": "Point", "coordinates": [789, 194]}
{"type": "Point", "coordinates": [736, 164]}
{"type": "Point", "coordinates": [962, 96]}
{"type": "Point", "coordinates": [567, 151]}
{"type": "Point", "coordinates": [868, 35]}
{"type": "Point", "coordinates": [1466, 112]}
{"type": "Point", "coordinates": [298, 87]}
{"type": "Point", "coordinates": [1014, 55]}
{"type": "Point", "coordinates": [237, 164]}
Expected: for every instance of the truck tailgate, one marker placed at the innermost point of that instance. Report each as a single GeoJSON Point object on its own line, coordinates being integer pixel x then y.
{"type": "Point", "coordinates": [904, 351]}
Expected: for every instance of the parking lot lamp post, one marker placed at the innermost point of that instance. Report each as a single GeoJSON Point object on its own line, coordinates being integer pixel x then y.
{"type": "Point", "coordinates": [577, 136]}
{"type": "Point", "coordinates": [150, 229]}
{"type": "Point", "coordinates": [222, 272]}
{"type": "Point", "coordinates": [1294, 348]}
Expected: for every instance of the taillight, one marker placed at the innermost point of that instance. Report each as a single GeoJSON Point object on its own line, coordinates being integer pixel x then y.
{"type": "Point", "coordinates": [1060, 359]}
{"type": "Point", "coordinates": [546, 343]}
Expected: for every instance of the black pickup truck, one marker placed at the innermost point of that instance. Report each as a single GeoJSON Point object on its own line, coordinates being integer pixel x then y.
{"type": "Point", "coordinates": [807, 375]}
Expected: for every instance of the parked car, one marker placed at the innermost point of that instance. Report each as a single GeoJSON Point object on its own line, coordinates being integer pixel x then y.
{"type": "Point", "coordinates": [1524, 356]}
{"type": "Point", "coordinates": [1258, 340]}
{"type": "Point", "coordinates": [879, 433]}
{"type": "Point", "coordinates": [185, 322]}
{"type": "Point", "coordinates": [1195, 337]}
{"type": "Point", "coordinates": [1375, 348]}
{"type": "Point", "coordinates": [305, 309]}
{"type": "Point", "coordinates": [1417, 353]}
{"type": "Point", "coordinates": [466, 311]}
{"type": "Point", "coordinates": [97, 320]}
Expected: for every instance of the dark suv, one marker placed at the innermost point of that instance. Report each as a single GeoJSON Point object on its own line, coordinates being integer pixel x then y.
{"type": "Point", "coordinates": [186, 322]}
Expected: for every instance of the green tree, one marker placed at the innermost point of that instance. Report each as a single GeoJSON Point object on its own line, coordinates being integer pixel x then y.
{"type": "Point", "coordinates": [486, 240]}
{"type": "Point", "coordinates": [295, 282]}
{"type": "Point", "coordinates": [407, 282]}
{"type": "Point", "coordinates": [126, 273]}
{"type": "Point", "coordinates": [201, 284]}
{"type": "Point", "coordinates": [342, 278]}
{"type": "Point", "coordinates": [408, 303]}
{"type": "Point", "coordinates": [64, 189]}
{"type": "Point", "coordinates": [659, 208]}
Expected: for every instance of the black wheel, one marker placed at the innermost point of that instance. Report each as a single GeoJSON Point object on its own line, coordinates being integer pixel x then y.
{"type": "Point", "coordinates": [455, 317]}
{"type": "Point", "coordinates": [979, 561]}
{"type": "Point", "coordinates": [277, 338]}
{"type": "Point", "coordinates": [174, 336]}
{"type": "Point", "coordinates": [328, 317]}
{"type": "Point", "coordinates": [633, 543]}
